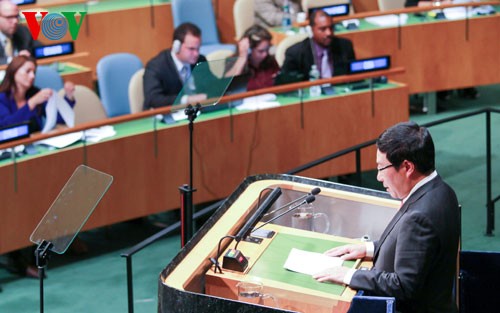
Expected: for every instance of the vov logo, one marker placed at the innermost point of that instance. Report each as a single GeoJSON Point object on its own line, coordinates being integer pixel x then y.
{"type": "Point", "coordinates": [54, 25]}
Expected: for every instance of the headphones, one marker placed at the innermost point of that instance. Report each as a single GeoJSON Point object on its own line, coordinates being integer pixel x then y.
{"type": "Point", "coordinates": [309, 31]}
{"type": "Point", "coordinates": [176, 46]}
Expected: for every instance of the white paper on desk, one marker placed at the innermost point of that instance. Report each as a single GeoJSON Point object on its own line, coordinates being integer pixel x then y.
{"type": "Point", "coordinates": [259, 102]}
{"type": "Point", "coordinates": [310, 263]}
{"type": "Point", "coordinates": [457, 13]}
{"type": "Point", "coordinates": [389, 20]}
{"type": "Point", "coordinates": [62, 141]}
{"type": "Point", "coordinates": [97, 134]}
{"type": "Point", "coordinates": [56, 104]}
{"type": "Point", "coordinates": [179, 115]}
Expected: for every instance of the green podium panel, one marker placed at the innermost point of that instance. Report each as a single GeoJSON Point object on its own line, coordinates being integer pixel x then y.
{"type": "Point", "coordinates": [270, 264]}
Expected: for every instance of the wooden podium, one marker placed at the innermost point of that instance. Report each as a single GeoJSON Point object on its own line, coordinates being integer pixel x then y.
{"type": "Point", "coordinates": [189, 279]}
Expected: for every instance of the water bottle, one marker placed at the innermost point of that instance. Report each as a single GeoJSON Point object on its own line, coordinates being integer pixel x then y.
{"type": "Point", "coordinates": [314, 91]}
{"type": "Point", "coordinates": [286, 21]}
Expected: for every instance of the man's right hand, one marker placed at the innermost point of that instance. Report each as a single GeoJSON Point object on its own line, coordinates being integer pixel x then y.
{"type": "Point", "coordinates": [348, 252]}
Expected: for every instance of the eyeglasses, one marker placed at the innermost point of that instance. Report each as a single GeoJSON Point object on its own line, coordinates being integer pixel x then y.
{"type": "Point", "coordinates": [384, 168]}
{"type": "Point", "coordinates": [11, 17]}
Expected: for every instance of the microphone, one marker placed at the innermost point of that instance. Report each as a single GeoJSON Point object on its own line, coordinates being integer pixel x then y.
{"type": "Point", "coordinates": [234, 259]}
{"type": "Point", "coordinates": [313, 192]}
{"type": "Point", "coordinates": [307, 200]}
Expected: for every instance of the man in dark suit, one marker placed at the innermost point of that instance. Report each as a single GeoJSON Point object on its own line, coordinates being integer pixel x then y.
{"type": "Point", "coordinates": [415, 258]}
{"type": "Point", "coordinates": [167, 72]}
{"type": "Point", "coordinates": [330, 54]}
{"type": "Point", "coordinates": [15, 39]}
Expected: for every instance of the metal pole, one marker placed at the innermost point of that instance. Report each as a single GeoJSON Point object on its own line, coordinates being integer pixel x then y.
{"type": "Point", "coordinates": [130, 287]}
{"type": "Point", "coordinates": [490, 212]}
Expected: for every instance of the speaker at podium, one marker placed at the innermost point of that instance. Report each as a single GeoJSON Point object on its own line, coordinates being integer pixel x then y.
{"type": "Point", "coordinates": [353, 213]}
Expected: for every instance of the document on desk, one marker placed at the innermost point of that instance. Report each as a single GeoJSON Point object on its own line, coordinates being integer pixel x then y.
{"type": "Point", "coordinates": [62, 141]}
{"type": "Point", "coordinates": [260, 102]}
{"type": "Point", "coordinates": [390, 20]}
{"type": "Point", "coordinates": [310, 263]}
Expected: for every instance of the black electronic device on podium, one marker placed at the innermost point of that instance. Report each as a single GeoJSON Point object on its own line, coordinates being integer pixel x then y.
{"type": "Point", "coordinates": [202, 88]}
{"type": "Point", "coordinates": [67, 215]}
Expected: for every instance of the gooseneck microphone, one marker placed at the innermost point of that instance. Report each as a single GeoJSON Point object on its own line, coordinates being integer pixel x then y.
{"type": "Point", "coordinates": [308, 199]}
{"type": "Point", "coordinates": [313, 192]}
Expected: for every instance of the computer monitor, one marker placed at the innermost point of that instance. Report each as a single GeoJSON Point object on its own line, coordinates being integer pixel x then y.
{"type": "Point", "coordinates": [332, 10]}
{"type": "Point", "coordinates": [370, 64]}
{"type": "Point", "coordinates": [23, 2]}
{"type": "Point", "coordinates": [14, 132]}
{"type": "Point", "coordinates": [57, 49]}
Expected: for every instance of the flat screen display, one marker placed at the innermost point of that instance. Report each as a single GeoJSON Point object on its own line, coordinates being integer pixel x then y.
{"type": "Point", "coordinates": [14, 132]}
{"type": "Point", "coordinates": [333, 10]}
{"type": "Point", "coordinates": [371, 64]}
{"type": "Point", "coordinates": [58, 49]}
{"type": "Point", "coordinates": [21, 2]}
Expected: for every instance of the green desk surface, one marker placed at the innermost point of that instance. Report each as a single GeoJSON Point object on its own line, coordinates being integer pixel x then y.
{"type": "Point", "coordinates": [413, 19]}
{"type": "Point", "coordinates": [140, 126]}
{"type": "Point", "coordinates": [270, 264]}
{"type": "Point", "coordinates": [104, 6]}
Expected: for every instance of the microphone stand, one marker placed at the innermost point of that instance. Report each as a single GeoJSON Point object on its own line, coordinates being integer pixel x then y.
{"type": "Point", "coordinates": [187, 190]}
{"type": "Point", "coordinates": [42, 255]}
{"type": "Point", "coordinates": [309, 199]}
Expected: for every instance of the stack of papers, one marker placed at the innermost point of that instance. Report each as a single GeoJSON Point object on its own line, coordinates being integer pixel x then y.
{"type": "Point", "coordinates": [61, 141]}
{"type": "Point", "coordinates": [260, 102]}
{"type": "Point", "coordinates": [310, 263]}
{"type": "Point", "coordinates": [390, 20]}
{"type": "Point", "coordinates": [97, 134]}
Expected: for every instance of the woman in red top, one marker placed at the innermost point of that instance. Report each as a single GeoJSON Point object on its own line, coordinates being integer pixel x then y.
{"type": "Point", "coordinates": [254, 58]}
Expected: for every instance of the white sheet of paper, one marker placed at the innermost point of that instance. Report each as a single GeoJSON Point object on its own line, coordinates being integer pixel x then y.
{"type": "Point", "coordinates": [259, 102]}
{"type": "Point", "coordinates": [63, 140]}
{"type": "Point", "coordinates": [66, 111]}
{"type": "Point", "coordinates": [310, 263]}
{"type": "Point", "coordinates": [50, 114]}
{"type": "Point", "coordinates": [56, 104]}
{"type": "Point", "coordinates": [97, 134]}
{"type": "Point", "coordinates": [389, 20]}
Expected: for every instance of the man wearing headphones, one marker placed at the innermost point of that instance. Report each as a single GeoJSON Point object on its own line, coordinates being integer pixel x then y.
{"type": "Point", "coordinates": [330, 54]}
{"type": "Point", "coordinates": [167, 72]}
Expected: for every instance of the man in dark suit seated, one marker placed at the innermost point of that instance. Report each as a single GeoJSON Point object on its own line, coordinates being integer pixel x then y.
{"type": "Point", "coordinates": [330, 54]}
{"type": "Point", "coordinates": [15, 39]}
{"type": "Point", "coordinates": [167, 72]}
{"type": "Point", "coordinates": [415, 258]}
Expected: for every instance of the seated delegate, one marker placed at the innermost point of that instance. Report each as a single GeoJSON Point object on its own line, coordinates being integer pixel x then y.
{"type": "Point", "coordinates": [329, 53]}
{"type": "Point", "coordinates": [20, 101]}
{"type": "Point", "coordinates": [167, 72]}
{"type": "Point", "coordinates": [254, 59]}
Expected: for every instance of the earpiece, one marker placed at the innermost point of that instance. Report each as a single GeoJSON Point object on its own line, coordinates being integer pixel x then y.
{"type": "Point", "coordinates": [176, 46]}
{"type": "Point", "coordinates": [309, 31]}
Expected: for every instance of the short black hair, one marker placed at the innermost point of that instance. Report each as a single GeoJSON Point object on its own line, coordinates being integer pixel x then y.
{"type": "Point", "coordinates": [186, 28]}
{"type": "Point", "coordinates": [314, 13]}
{"type": "Point", "coordinates": [408, 141]}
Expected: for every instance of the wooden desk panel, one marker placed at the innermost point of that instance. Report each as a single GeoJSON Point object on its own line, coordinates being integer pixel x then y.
{"type": "Point", "coordinates": [128, 30]}
{"type": "Point", "coordinates": [267, 141]}
{"type": "Point", "coordinates": [438, 55]}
